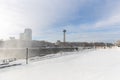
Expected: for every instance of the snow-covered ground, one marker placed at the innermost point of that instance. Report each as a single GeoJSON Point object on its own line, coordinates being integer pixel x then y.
{"type": "Point", "coordinates": [102, 64]}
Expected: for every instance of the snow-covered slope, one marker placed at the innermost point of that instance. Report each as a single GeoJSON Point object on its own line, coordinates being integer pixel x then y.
{"type": "Point", "coordinates": [102, 64]}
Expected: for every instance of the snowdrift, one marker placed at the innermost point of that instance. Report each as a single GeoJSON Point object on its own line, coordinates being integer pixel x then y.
{"type": "Point", "coordinates": [102, 64]}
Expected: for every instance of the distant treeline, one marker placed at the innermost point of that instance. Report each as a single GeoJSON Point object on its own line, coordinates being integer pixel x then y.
{"type": "Point", "coordinates": [84, 44]}
{"type": "Point", "coordinates": [45, 44]}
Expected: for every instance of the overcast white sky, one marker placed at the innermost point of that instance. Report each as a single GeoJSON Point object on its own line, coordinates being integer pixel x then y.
{"type": "Point", "coordinates": [84, 20]}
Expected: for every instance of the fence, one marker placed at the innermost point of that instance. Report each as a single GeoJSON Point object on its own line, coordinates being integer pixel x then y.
{"type": "Point", "coordinates": [20, 53]}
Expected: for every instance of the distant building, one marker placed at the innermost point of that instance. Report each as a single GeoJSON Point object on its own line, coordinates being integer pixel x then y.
{"type": "Point", "coordinates": [27, 35]}
{"type": "Point", "coordinates": [12, 38]}
{"type": "Point", "coordinates": [117, 43]}
{"type": "Point", "coordinates": [21, 36]}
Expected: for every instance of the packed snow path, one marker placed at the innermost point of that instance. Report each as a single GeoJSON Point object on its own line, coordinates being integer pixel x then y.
{"type": "Point", "coordinates": [103, 64]}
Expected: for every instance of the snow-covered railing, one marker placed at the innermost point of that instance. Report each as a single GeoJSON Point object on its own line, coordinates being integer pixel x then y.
{"type": "Point", "coordinates": [8, 63]}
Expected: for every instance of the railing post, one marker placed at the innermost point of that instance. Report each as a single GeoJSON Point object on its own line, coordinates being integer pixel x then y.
{"type": "Point", "coordinates": [26, 55]}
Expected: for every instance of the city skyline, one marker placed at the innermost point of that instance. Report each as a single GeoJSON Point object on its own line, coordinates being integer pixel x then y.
{"type": "Point", "coordinates": [84, 20]}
